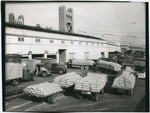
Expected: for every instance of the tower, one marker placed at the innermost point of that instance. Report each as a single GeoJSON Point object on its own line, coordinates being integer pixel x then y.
{"type": "Point", "coordinates": [21, 19]}
{"type": "Point", "coordinates": [11, 17]}
{"type": "Point", "coordinates": [66, 22]}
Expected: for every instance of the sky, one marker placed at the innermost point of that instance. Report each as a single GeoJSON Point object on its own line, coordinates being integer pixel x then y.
{"type": "Point", "coordinates": [122, 22]}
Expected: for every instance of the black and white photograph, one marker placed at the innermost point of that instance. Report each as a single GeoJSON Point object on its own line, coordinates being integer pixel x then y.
{"type": "Point", "coordinates": [75, 56]}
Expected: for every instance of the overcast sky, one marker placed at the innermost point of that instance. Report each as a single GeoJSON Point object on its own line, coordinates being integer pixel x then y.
{"type": "Point", "coordinates": [114, 21]}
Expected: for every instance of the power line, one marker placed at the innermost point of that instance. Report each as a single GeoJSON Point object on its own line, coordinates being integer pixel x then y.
{"type": "Point", "coordinates": [110, 31]}
{"type": "Point", "coordinates": [133, 23]}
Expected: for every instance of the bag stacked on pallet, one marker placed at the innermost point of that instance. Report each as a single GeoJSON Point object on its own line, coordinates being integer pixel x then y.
{"type": "Point", "coordinates": [67, 80]}
{"type": "Point", "coordinates": [42, 89]}
{"type": "Point", "coordinates": [93, 82]}
{"type": "Point", "coordinates": [82, 62]}
{"type": "Point", "coordinates": [125, 81]}
{"type": "Point", "coordinates": [109, 65]}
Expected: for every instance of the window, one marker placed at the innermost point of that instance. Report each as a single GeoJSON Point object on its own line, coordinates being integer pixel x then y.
{"type": "Point", "coordinates": [102, 55]}
{"type": "Point", "coordinates": [20, 39]}
{"type": "Point", "coordinates": [51, 41]}
{"type": "Point", "coordinates": [80, 43]}
{"type": "Point", "coordinates": [86, 55]}
{"type": "Point", "coordinates": [92, 43]}
{"type": "Point", "coordinates": [72, 55]}
{"type": "Point", "coordinates": [37, 40]}
{"type": "Point", "coordinates": [62, 41]}
{"type": "Point", "coordinates": [72, 42]}
{"type": "Point", "coordinates": [86, 43]}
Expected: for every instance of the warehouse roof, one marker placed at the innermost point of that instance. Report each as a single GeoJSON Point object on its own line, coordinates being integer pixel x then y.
{"type": "Point", "coordinates": [34, 28]}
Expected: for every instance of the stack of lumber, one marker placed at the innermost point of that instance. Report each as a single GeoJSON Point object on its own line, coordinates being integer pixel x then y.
{"type": "Point", "coordinates": [124, 81]}
{"type": "Point", "coordinates": [42, 89]}
{"type": "Point", "coordinates": [82, 62]}
{"type": "Point", "coordinates": [109, 65]}
{"type": "Point", "coordinates": [93, 82]}
{"type": "Point", "coordinates": [67, 80]}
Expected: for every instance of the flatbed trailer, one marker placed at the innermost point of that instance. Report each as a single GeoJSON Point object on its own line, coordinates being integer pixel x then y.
{"type": "Point", "coordinates": [128, 91]}
{"type": "Point", "coordinates": [50, 98]}
{"type": "Point", "coordinates": [94, 95]}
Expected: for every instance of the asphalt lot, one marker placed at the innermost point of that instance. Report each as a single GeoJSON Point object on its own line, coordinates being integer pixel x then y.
{"type": "Point", "coordinates": [109, 102]}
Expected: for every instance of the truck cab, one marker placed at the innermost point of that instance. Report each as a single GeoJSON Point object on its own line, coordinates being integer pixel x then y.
{"type": "Point", "coordinates": [59, 68]}
{"type": "Point", "coordinates": [42, 71]}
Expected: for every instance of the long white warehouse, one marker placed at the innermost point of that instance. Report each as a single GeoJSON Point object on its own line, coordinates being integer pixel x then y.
{"type": "Point", "coordinates": [25, 40]}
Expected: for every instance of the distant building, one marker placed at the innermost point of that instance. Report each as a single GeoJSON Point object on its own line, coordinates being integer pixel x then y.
{"type": "Point", "coordinates": [11, 18]}
{"type": "Point", "coordinates": [124, 47]}
{"type": "Point", "coordinates": [19, 20]}
{"type": "Point", "coordinates": [133, 48]}
{"type": "Point", "coordinates": [66, 22]}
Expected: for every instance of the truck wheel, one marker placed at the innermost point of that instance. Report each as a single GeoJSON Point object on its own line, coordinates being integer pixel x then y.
{"type": "Point", "coordinates": [33, 78]}
{"type": "Point", "coordinates": [79, 96]}
{"type": "Point", "coordinates": [44, 74]}
{"type": "Point", "coordinates": [15, 82]}
{"type": "Point", "coordinates": [60, 72]}
{"type": "Point", "coordinates": [115, 91]}
{"type": "Point", "coordinates": [86, 67]}
{"type": "Point", "coordinates": [96, 97]}
{"type": "Point", "coordinates": [102, 91]}
{"type": "Point", "coordinates": [82, 67]}
{"type": "Point", "coordinates": [51, 99]}
{"type": "Point", "coordinates": [130, 92]}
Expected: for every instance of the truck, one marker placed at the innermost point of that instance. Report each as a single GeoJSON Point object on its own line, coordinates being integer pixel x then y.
{"type": "Point", "coordinates": [139, 64]}
{"type": "Point", "coordinates": [59, 68]}
{"type": "Point", "coordinates": [82, 64]}
{"type": "Point", "coordinates": [47, 61]}
{"type": "Point", "coordinates": [42, 71]}
{"type": "Point", "coordinates": [14, 72]}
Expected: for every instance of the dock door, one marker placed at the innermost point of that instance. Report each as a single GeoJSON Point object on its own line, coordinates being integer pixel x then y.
{"type": "Point", "coordinates": [62, 56]}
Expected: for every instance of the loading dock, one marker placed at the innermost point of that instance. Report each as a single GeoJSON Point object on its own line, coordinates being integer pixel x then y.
{"type": "Point", "coordinates": [62, 56]}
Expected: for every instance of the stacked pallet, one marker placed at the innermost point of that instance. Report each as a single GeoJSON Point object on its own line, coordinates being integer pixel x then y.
{"type": "Point", "coordinates": [109, 65]}
{"type": "Point", "coordinates": [93, 82]}
{"type": "Point", "coordinates": [82, 62]}
{"type": "Point", "coordinates": [67, 80]}
{"type": "Point", "coordinates": [125, 81]}
{"type": "Point", "coordinates": [43, 89]}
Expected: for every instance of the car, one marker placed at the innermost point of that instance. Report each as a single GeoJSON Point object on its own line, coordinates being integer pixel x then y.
{"type": "Point", "coordinates": [59, 68]}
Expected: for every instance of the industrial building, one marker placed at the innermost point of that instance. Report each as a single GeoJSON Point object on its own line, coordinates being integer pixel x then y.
{"type": "Point", "coordinates": [32, 41]}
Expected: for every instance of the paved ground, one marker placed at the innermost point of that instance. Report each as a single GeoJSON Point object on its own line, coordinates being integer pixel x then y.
{"type": "Point", "coordinates": [68, 102]}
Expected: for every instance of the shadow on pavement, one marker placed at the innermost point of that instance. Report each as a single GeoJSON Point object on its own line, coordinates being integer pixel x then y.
{"type": "Point", "coordinates": [141, 106]}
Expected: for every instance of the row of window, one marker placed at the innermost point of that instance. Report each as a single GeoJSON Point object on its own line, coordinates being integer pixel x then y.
{"type": "Point", "coordinates": [52, 41]}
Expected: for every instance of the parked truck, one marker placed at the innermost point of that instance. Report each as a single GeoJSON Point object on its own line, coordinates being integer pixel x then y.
{"type": "Point", "coordinates": [83, 64]}
{"type": "Point", "coordinates": [139, 64]}
{"type": "Point", "coordinates": [36, 67]}
{"type": "Point", "coordinates": [13, 73]}
{"type": "Point", "coordinates": [47, 61]}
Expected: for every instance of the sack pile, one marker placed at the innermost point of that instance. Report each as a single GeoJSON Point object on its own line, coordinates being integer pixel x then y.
{"type": "Point", "coordinates": [125, 81]}
{"type": "Point", "coordinates": [93, 82]}
{"type": "Point", "coordinates": [67, 80]}
{"type": "Point", "coordinates": [83, 62]}
{"type": "Point", "coordinates": [42, 89]}
{"type": "Point", "coordinates": [109, 65]}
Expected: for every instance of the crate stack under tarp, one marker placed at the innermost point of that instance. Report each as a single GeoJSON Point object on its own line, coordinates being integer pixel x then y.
{"type": "Point", "coordinates": [109, 65]}
{"type": "Point", "coordinates": [125, 81]}
{"type": "Point", "coordinates": [82, 62]}
{"type": "Point", "coordinates": [42, 89]}
{"type": "Point", "coordinates": [67, 80]}
{"type": "Point", "coordinates": [93, 82]}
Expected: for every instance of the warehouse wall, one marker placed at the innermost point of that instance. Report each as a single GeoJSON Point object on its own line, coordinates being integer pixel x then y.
{"type": "Point", "coordinates": [72, 44]}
